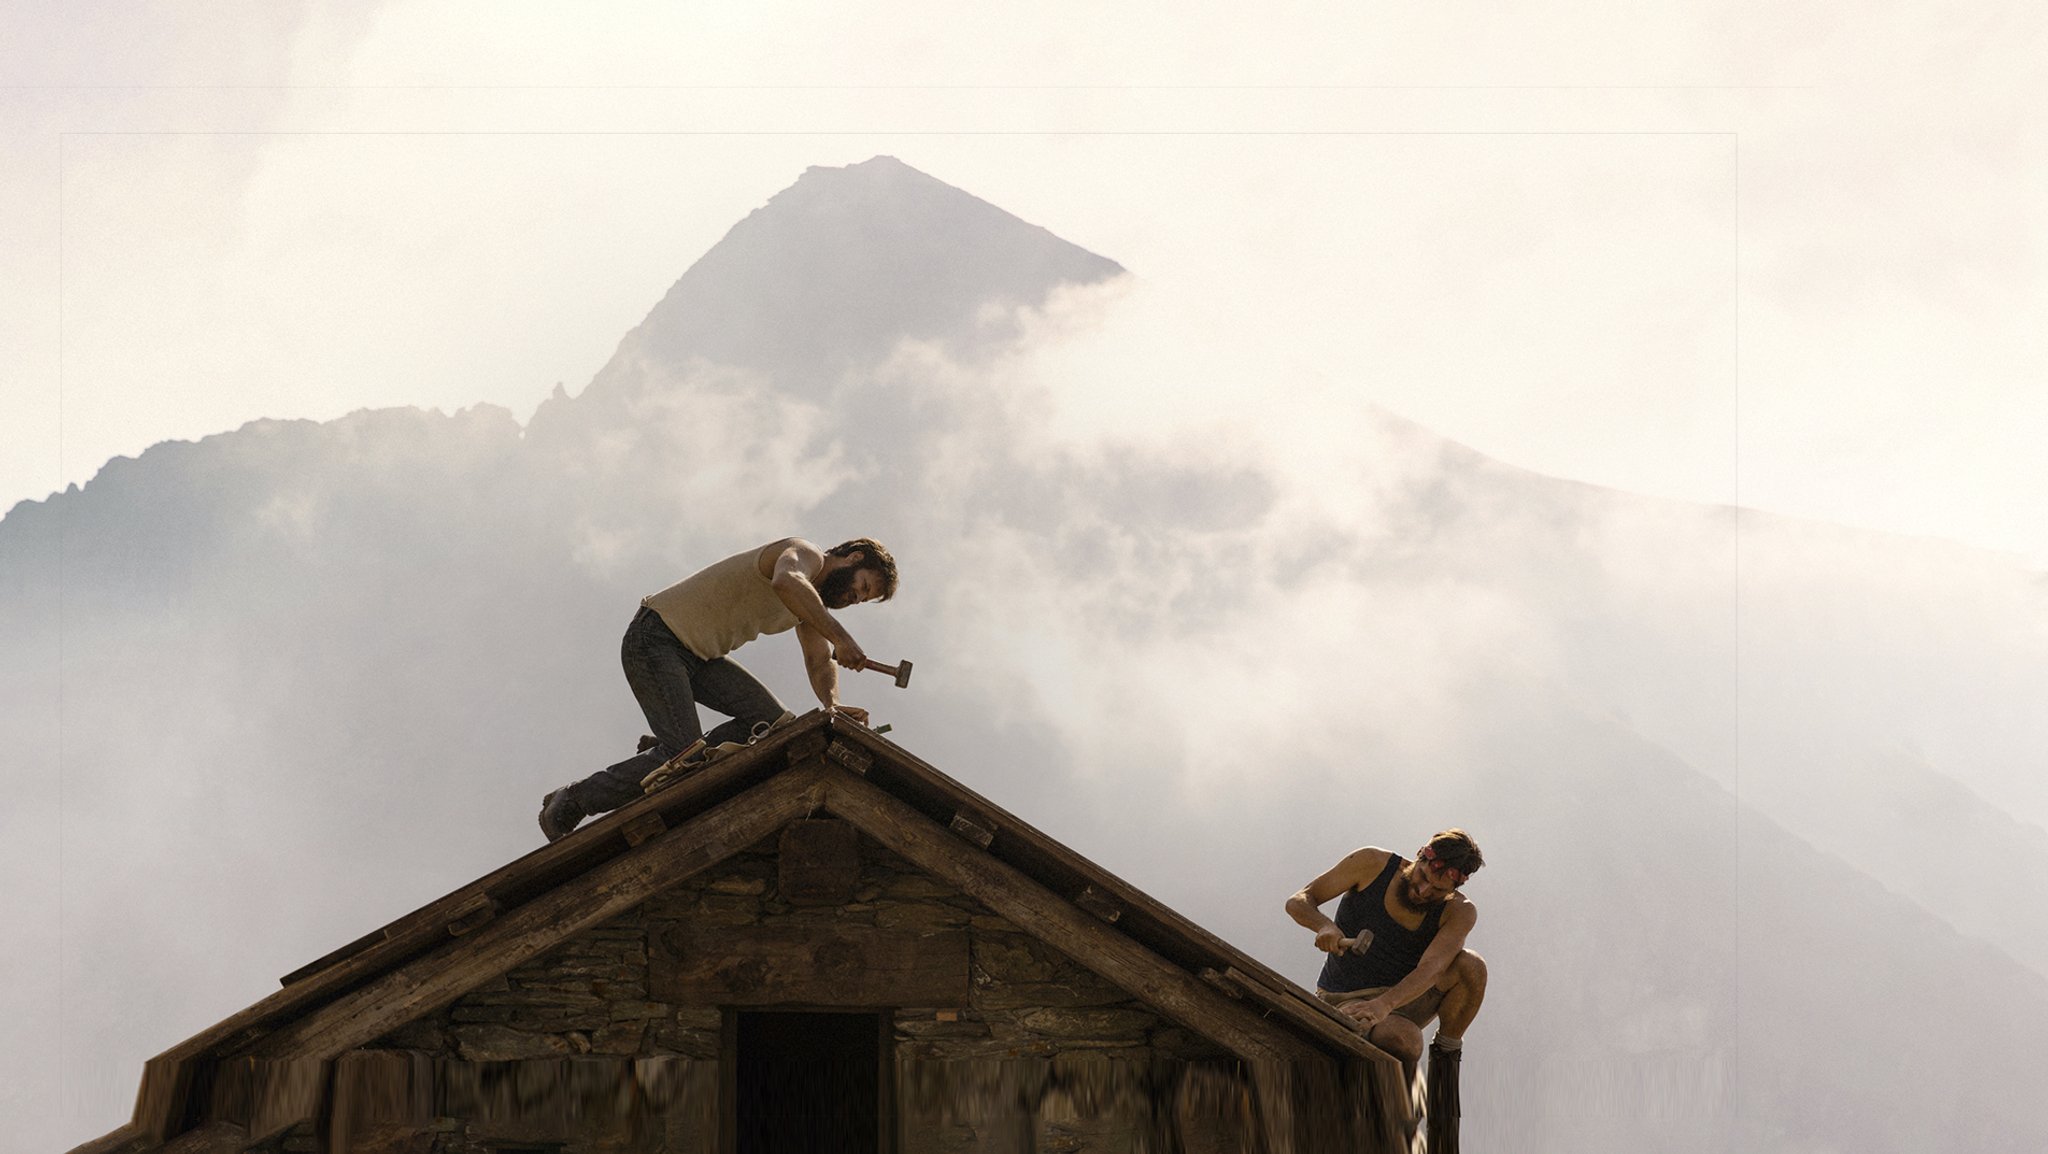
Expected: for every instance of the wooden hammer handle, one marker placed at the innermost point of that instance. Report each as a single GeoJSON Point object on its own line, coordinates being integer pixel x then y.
{"type": "Point", "coordinates": [900, 671]}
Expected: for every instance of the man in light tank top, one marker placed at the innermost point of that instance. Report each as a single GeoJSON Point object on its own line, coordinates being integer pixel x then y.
{"type": "Point", "coordinates": [675, 654]}
{"type": "Point", "coordinates": [1397, 956]}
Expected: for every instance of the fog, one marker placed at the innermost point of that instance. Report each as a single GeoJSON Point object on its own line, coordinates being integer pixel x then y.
{"type": "Point", "coordinates": [1811, 226]}
{"type": "Point", "coordinates": [1183, 603]}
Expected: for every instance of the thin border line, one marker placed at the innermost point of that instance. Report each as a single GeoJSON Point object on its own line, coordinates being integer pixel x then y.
{"type": "Point", "coordinates": [1735, 1048]}
{"type": "Point", "coordinates": [875, 132]}
{"type": "Point", "coordinates": [63, 519]}
{"type": "Point", "coordinates": [909, 87]}
{"type": "Point", "coordinates": [1739, 517]}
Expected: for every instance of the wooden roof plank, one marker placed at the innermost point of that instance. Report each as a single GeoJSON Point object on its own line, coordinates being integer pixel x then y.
{"type": "Point", "coordinates": [1332, 1028]}
{"type": "Point", "coordinates": [974, 827]}
{"type": "Point", "coordinates": [215, 1138]}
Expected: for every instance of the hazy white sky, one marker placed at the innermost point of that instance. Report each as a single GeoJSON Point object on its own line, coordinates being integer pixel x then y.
{"type": "Point", "coordinates": [1786, 256]}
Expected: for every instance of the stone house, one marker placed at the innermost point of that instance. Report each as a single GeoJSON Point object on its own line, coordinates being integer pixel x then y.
{"type": "Point", "coordinates": [819, 943]}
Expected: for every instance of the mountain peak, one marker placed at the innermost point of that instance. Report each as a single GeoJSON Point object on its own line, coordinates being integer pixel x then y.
{"type": "Point", "coordinates": [839, 267]}
{"type": "Point", "coordinates": [876, 168]}
{"type": "Point", "coordinates": [879, 175]}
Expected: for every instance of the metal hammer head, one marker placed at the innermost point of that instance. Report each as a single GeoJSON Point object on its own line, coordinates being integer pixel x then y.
{"type": "Point", "coordinates": [902, 674]}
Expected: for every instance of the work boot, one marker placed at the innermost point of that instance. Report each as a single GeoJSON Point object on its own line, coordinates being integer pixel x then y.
{"type": "Point", "coordinates": [558, 815]}
{"type": "Point", "coordinates": [1442, 1099]}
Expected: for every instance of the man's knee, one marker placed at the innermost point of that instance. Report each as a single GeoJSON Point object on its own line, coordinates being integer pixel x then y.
{"type": "Point", "coordinates": [1467, 970]}
{"type": "Point", "coordinates": [1399, 1037]}
{"type": "Point", "coordinates": [1470, 969]}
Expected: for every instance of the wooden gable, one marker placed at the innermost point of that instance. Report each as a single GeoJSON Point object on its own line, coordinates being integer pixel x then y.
{"type": "Point", "coordinates": [634, 939]}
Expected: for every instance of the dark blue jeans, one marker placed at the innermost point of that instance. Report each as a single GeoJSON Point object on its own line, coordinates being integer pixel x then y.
{"type": "Point", "coordinates": [668, 680]}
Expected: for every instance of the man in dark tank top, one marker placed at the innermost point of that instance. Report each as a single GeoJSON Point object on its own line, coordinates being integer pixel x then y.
{"type": "Point", "coordinates": [1397, 955]}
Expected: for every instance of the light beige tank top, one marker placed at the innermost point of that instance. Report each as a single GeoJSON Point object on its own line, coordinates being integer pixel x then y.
{"type": "Point", "coordinates": [722, 606]}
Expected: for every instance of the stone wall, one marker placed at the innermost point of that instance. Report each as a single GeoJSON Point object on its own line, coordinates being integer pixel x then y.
{"type": "Point", "coordinates": [1044, 1055]}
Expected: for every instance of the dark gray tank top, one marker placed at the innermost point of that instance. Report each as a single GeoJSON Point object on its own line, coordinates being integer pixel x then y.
{"type": "Point", "coordinates": [1395, 949]}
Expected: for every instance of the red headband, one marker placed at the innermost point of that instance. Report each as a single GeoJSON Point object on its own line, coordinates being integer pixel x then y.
{"type": "Point", "coordinates": [1428, 853]}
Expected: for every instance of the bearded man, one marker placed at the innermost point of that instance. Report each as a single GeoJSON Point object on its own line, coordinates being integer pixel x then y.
{"type": "Point", "coordinates": [675, 655]}
{"type": "Point", "coordinates": [1397, 956]}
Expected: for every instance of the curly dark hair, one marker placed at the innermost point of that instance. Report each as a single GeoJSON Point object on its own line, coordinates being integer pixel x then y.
{"type": "Point", "coordinates": [1456, 849]}
{"type": "Point", "coordinates": [871, 555]}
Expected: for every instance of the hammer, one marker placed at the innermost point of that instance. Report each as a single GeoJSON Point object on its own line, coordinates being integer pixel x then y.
{"type": "Point", "coordinates": [900, 671]}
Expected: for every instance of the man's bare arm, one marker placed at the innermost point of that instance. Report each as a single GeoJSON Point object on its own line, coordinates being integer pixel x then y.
{"type": "Point", "coordinates": [1358, 868]}
{"type": "Point", "coordinates": [824, 675]}
{"type": "Point", "coordinates": [794, 566]}
{"type": "Point", "coordinates": [1450, 939]}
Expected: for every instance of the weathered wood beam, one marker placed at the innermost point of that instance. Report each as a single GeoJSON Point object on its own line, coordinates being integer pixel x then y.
{"type": "Point", "coordinates": [1315, 1018]}
{"type": "Point", "coordinates": [370, 940]}
{"type": "Point", "coordinates": [167, 1079]}
{"type": "Point", "coordinates": [974, 827]}
{"type": "Point", "coordinates": [1273, 1089]}
{"type": "Point", "coordinates": [1006, 890]}
{"type": "Point", "coordinates": [379, 1088]}
{"type": "Point", "coordinates": [1221, 984]}
{"type": "Point", "coordinates": [471, 914]}
{"type": "Point", "coordinates": [214, 1138]}
{"type": "Point", "coordinates": [849, 757]}
{"type": "Point", "coordinates": [646, 827]}
{"type": "Point", "coordinates": [808, 745]}
{"type": "Point", "coordinates": [1095, 901]}
{"type": "Point", "coordinates": [269, 1095]}
{"type": "Point", "coordinates": [1388, 1103]}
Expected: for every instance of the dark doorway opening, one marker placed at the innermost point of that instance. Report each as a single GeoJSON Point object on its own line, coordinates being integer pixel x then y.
{"type": "Point", "coordinates": [807, 1082]}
